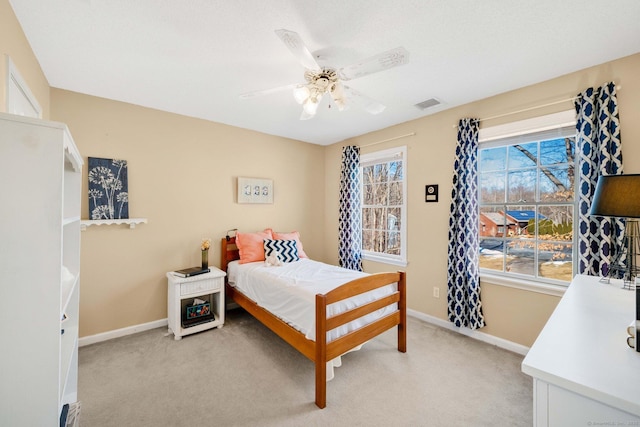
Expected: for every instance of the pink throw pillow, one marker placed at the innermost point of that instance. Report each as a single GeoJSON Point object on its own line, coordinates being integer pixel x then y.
{"type": "Point", "coordinates": [251, 245]}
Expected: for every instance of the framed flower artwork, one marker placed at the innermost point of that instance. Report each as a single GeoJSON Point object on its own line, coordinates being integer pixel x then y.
{"type": "Point", "coordinates": [108, 189]}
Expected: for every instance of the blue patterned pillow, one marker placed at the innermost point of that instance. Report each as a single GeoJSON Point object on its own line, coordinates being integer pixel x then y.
{"type": "Point", "coordinates": [287, 249]}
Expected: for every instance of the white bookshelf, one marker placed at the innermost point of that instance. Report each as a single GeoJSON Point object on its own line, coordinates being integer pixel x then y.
{"type": "Point", "coordinates": [40, 179]}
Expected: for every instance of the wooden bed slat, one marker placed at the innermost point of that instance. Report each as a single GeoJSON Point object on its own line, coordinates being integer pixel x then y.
{"type": "Point", "coordinates": [360, 286]}
{"type": "Point", "coordinates": [356, 313]}
{"type": "Point", "coordinates": [360, 336]}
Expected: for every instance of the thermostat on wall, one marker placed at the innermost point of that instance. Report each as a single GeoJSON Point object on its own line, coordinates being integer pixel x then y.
{"type": "Point", "coordinates": [431, 193]}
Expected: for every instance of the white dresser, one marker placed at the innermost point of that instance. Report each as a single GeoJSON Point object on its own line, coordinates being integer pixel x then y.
{"type": "Point", "coordinates": [584, 373]}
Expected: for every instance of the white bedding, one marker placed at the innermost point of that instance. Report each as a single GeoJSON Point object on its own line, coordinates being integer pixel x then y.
{"type": "Point", "coordinates": [288, 291]}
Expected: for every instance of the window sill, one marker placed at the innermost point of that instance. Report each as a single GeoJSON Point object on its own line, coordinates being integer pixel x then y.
{"type": "Point", "coordinates": [384, 260]}
{"type": "Point", "coordinates": [525, 285]}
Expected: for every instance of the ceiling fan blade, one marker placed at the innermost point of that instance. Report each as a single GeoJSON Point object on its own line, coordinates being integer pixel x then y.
{"type": "Point", "coordinates": [295, 44]}
{"type": "Point", "coordinates": [382, 61]}
{"type": "Point", "coordinates": [253, 94]}
{"type": "Point", "coordinates": [338, 96]}
{"type": "Point", "coordinates": [371, 106]}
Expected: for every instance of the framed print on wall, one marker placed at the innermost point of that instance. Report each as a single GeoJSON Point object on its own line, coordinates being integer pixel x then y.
{"type": "Point", "coordinates": [431, 193]}
{"type": "Point", "coordinates": [255, 190]}
{"type": "Point", "coordinates": [108, 189]}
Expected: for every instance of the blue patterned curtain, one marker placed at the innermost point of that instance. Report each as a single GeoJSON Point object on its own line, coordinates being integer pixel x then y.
{"type": "Point", "coordinates": [600, 153]}
{"type": "Point", "coordinates": [350, 221]}
{"type": "Point", "coordinates": [465, 308]}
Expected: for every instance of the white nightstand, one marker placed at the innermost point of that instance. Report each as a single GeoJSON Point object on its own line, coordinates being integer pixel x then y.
{"type": "Point", "coordinates": [182, 291]}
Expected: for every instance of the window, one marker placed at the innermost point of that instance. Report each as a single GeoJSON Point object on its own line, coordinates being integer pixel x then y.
{"type": "Point", "coordinates": [20, 100]}
{"type": "Point", "coordinates": [384, 189]}
{"type": "Point", "coordinates": [527, 204]}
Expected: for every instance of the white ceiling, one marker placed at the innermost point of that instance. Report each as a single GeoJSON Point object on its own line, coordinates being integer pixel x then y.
{"type": "Point", "coordinates": [196, 57]}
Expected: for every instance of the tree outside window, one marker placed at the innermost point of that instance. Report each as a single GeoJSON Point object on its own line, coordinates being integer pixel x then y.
{"type": "Point", "coordinates": [383, 206]}
{"type": "Point", "coordinates": [527, 207]}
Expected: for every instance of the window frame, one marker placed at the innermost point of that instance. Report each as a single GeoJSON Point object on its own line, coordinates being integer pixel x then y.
{"type": "Point", "coordinates": [498, 136]}
{"type": "Point", "coordinates": [377, 157]}
{"type": "Point", "coordinates": [20, 100]}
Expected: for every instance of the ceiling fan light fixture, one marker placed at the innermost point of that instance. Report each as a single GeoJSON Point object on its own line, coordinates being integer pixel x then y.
{"type": "Point", "coordinates": [310, 106]}
{"type": "Point", "coordinates": [301, 93]}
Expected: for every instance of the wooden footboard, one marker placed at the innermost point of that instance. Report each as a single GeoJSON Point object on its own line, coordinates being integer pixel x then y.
{"type": "Point", "coordinates": [322, 351]}
{"type": "Point", "coordinates": [330, 350]}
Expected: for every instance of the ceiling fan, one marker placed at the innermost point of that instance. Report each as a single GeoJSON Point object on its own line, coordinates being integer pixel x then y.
{"type": "Point", "coordinates": [323, 80]}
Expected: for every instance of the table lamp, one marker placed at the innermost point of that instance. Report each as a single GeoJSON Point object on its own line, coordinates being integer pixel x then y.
{"type": "Point", "coordinates": [619, 196]}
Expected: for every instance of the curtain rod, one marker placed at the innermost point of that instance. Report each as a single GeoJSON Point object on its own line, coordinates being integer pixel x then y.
{"type": "Point", "coordinates": [533, 108]}
{"type": "Point", "coordinates": [387, 140]}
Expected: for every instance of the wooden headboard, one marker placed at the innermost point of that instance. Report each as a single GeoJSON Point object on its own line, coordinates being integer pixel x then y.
{"type": "Point", "coordinates": [229, 252]}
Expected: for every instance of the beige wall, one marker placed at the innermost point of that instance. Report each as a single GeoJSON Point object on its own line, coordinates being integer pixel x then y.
{"type": "Point", "coordinates": [512, 314]}
{"type": "Point", "coordinates": [182, 177]}
{"type": "Point", "coordinates": [14, 44]}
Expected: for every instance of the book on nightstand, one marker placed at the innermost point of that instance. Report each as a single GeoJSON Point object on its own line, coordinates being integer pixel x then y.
{"type": "Point", "coordinates": [191, 271]}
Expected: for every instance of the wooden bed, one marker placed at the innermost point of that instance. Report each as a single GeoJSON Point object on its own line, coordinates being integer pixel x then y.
{"type": "Point", "coordinates": [320, 351]}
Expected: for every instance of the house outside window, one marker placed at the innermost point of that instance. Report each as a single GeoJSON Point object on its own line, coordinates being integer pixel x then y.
{"type": "Point", "coordinates": [384, 190]}
{"type": "Point", "coordinates": [527, 204]}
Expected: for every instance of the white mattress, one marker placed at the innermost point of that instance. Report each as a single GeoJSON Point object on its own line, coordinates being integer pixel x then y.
{"type": "Point", "coordinates": [288, 291]}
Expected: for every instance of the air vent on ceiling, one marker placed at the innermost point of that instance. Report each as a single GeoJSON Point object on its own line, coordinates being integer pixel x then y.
{"type": "Point", "coordinates": [432, 102]}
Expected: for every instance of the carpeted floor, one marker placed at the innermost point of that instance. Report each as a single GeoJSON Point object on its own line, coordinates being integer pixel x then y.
{"type": "Point", "coordinates": [244, 375]}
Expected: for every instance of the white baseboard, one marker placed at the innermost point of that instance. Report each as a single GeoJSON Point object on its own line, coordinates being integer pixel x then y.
{"type": "Point", "coordinates": [480, 336]}
{"type": "Point", "coordinates": [92, 339]}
